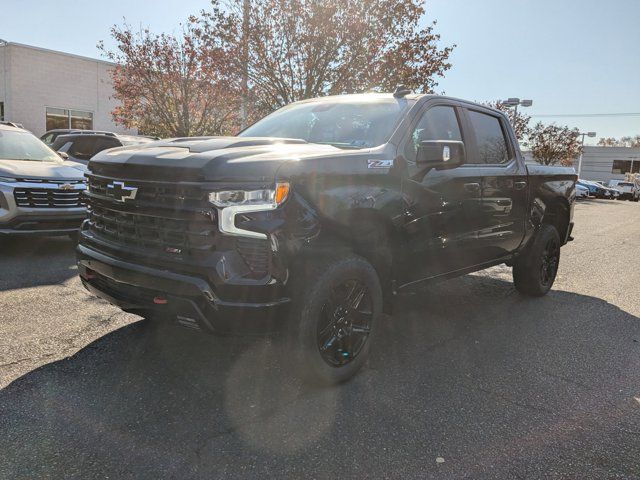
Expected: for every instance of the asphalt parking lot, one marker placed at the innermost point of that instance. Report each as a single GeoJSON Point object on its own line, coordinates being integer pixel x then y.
{"type": "Point", "coordinates": [468, 371]}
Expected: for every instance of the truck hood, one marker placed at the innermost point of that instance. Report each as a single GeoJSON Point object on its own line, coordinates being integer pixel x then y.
{"type": "Point", "coordinates": [208, 159]}
{"type": "Point", "coordinates": [41, 170]}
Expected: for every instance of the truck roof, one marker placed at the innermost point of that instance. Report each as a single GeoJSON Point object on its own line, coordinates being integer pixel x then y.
{"type": "Point", "coordinates": [373, 96]}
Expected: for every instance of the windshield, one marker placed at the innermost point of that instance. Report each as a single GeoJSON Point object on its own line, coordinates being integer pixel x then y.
{"type": "Point", "coordinates": [20, 145]}
{"type": "Point", "coordinates": [357, 124]}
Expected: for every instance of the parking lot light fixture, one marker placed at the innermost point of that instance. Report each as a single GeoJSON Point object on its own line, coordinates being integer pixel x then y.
{"type": "Point", "coordinates": [516, 102]}
{"type": "Point", "coordinates": [583, 135]}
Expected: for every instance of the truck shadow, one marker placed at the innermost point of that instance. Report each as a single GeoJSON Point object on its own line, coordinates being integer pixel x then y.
{"type": "Point", "coordinates": [448, 370]}
{"type": "Point", "coordinates": [35, 261]}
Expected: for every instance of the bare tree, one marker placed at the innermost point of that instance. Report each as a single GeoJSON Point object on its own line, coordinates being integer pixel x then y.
{"type": "Point", "coordinates": [301, 49]}
{"type": "Point", "coordinates": [633, 142]}
{"type": "Point", "coordinates": [553, 144]}
{"type": "Point", "coordinates": [176, 85]}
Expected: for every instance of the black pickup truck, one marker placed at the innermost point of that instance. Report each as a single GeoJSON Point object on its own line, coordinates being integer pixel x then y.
{"type": "Point", "coordinates": [311, 221]}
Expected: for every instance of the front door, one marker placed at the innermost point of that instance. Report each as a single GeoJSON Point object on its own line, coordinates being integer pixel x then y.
{"type": "Point", "coordinates": [443, 216]}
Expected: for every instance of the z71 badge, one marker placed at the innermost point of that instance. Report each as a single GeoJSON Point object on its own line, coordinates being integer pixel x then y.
{"type": "Point", "coordinates": [379, 163]}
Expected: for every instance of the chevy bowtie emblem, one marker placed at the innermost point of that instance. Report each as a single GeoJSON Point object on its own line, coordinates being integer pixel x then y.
{"type": "Point", "coordinates": [120, 192]}
{"type": "Point", "coordinates": [66, 186]}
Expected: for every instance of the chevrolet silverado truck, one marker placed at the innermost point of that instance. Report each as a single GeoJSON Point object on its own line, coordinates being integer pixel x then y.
{"type": "Point", "coordinates": [312, 220]}
{"type": "Point", "coordinates": [40, 193]}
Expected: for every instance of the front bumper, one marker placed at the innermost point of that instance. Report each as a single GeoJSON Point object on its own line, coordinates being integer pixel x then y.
{"type": "Point", "coordinates": [22, 220]}
{"type": "Point", "coordinates": [60, 223]}
{"type": "Point", "coordinates": [190, 300]}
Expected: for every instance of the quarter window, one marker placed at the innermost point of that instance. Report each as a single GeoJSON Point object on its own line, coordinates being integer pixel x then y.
{"type": "Point", "coordinates": [438, 123]}
{"type": "Point", "coordinates": [490, 139]}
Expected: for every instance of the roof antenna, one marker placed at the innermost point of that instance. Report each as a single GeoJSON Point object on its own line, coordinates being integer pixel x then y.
{"type": "Point", "coordinates": [401, 91]}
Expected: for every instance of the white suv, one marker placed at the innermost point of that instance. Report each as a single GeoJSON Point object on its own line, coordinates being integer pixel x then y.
{"type": "Point", "coordinates": [40, 193]}
{"type": "Point", "coordinates": [628, 190]}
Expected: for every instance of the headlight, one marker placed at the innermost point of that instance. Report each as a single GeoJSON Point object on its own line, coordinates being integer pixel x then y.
{"type": "Point", "coordinates": [233, 198]}
{"type": "Point", "coordinates": [8, 180]}
{"type": "Point", "coordinates": [233, 202]}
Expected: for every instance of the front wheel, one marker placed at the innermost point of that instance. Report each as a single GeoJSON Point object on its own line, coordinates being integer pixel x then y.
{"type": "Point", "coordinates": [535, 271]}
{"type": "Point", "coordinates": [336, 306]}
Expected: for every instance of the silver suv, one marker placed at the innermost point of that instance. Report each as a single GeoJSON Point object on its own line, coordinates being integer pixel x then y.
{"type": "Point", "coordinates": [40, 193]}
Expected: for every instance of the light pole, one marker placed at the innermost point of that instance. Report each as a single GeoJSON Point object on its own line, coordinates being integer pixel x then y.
{"type": "Point", "coordinates": [590, 135]}
{"type": "Point", "coordinates": [516, 102]}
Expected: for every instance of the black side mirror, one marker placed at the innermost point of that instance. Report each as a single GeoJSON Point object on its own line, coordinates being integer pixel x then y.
{"type": "Point", "coordinates": [441, 154]}
{"type": "Point", "coordinates": [63, 155]}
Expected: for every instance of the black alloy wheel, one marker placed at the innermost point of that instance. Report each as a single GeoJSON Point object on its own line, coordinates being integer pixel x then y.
{"type": "Point", "coordinates": [345, 323]}
{"type": "Point", "coordinates": [550, 262]}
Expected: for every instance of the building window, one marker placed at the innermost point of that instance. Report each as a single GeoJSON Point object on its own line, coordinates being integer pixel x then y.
{"type": "Point", "coordinates": [1, 111]}
{"type": "Point", "coordinates": [621, 167]}
{"type": "Point", "coordinates": [63, 118]}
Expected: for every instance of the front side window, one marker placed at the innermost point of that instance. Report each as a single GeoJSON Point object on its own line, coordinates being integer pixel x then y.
{"type": "Point", "coordinates": [490, 139]}
{"type": "Point", "coordinates": [344, 124]}
{"type": "Point", "coordinates": [437, 123]}
{"type": "Point", "coordinates": [20, 145]}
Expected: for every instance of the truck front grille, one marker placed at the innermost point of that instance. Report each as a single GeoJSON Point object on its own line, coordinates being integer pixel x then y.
{"type": "Point", "coordinates": [177, 237]}
{"type": "Point", "coordinates": [175, 197]}
{"type": "Point", "coordinates": [48, 198]}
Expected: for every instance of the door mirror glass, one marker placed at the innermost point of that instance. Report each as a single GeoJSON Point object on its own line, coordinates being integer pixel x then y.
{"type": "Point", "coordinates": [441, 154]}
{"type": "Point", "coordinates": [63, 155]}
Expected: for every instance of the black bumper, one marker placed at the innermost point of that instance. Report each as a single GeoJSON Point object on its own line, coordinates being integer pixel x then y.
{"type": "Point", "coordinates": [190, 300]}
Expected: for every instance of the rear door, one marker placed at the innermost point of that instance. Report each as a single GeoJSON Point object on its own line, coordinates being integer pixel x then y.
{"type": "Point", "coordinates": [504, 183]}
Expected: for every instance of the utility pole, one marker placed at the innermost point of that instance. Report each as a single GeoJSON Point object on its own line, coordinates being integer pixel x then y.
{"type": "Point", "coordinates": [590, 135]}
{"type": "Point", "coordinates": [244, 107]}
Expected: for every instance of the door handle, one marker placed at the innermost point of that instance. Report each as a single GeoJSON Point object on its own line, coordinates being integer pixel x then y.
{"type": "Point", "coordinates": [520, 185]}
{"type": "Point", "coordinates": [472, 187]}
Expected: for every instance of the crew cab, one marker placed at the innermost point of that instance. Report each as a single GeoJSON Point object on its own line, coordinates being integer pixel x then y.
{"type": "Point", "coordinates": [312, 220]}
{"type": "Point", "coordinates": [40, 193]}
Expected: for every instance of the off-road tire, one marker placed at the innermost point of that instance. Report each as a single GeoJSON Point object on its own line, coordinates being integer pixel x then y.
{"type": "Point", "coordinates": [314, 300]}
{"type": "Point", "coordinates": [534, 272]}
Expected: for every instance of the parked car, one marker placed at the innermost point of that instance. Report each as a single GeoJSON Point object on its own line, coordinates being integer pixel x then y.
{"type": "Point", "coordinates": [50, 136]}
{"type": "Point", "coordinates": [595, 189]}
{"type": "Point", "coordinates": [614, 193]}
{"type": "Point", "coordinates": [628, 190]}
{"type": "Point", "coordinates": [81, 147]}
{"type": "Point", "coordinates": [40, 193]}
{"type": "Point", "coordinates": [582, 191]}
{"type": "Point", "coordinates": [311, 220]}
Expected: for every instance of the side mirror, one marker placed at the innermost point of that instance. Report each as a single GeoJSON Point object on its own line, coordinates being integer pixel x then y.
{"type": "Point", "coordinates": [441, 154]}
{"type": "Point", "coordinates": [63, 155]}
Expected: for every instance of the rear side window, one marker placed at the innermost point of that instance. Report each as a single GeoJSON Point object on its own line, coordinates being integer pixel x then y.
{"type": "Point", "coordinates": [492, 144]}
{"type": "Point", "coordinates": [85, 147]}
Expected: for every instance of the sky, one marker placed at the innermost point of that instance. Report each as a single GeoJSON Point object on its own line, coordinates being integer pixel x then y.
{"type": "Point", "coordinates": [571, 57]}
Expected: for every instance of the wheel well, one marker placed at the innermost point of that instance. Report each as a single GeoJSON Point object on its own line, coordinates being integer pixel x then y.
{"type": "Point", "coordinates": [557, 214]}
{"type": "Point", "coordinates": [368, 234]}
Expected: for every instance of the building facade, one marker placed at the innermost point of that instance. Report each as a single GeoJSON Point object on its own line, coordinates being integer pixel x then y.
{"type": "Point", "coordinates": [609, 163]}
{"type": "Point", "coordinates": [604, 164]}
{"type": "Point", "coordinates": [44, 89]}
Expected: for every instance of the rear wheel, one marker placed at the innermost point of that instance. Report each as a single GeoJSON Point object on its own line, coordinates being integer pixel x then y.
{"type": "Point", "coordinates": [535, 271]}
{"type": "Point", "coordinates": [337, 304]}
